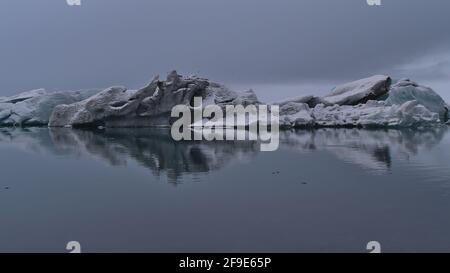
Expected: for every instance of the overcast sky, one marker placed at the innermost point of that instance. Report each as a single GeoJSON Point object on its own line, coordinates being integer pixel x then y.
{"type": "Point", "coordinates": [265, 44]}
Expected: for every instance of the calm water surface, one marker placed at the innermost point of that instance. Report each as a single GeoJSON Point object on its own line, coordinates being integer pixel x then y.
{"type": "Point", "coordinates": [330, 190]}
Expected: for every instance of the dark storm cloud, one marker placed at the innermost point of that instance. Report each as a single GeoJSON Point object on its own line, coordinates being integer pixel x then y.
{"type": "Point", "coordinates": [45, 43]}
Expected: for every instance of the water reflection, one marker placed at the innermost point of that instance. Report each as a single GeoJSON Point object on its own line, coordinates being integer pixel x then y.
{"type": "Point", "coordinates": [370, 149]}
{"type": "Point", "coordinates": [155, 150]}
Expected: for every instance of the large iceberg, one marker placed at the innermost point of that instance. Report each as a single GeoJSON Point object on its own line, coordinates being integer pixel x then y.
{"type": "Point", "coordinates": [149, 106]}
{"type": "Point", "coordinates": [376, 101]}
{"type": "Point", "coordinates": [370, 102]}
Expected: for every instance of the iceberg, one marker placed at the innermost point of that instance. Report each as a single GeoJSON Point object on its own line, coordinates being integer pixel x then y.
{"type": "Point", "coordinates": [33, 108]}
{"type": "Point", "coordinates": [147, 107]}
{"type": "Point", "coordinates": [91, 110]}
{"type": "Point", "coordinates": [376, 101]}
{"type": "Point", "coordinates": [371, 102]}
{"type": "Point", "coordinates": [406, 90]}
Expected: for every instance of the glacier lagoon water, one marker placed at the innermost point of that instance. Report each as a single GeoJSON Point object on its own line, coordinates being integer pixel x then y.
{"type": "Point", "coordinates": [136, 190]}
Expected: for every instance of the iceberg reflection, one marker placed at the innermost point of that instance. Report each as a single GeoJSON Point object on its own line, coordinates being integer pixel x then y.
{"type": "Point", "coordinates": [371, 149]}
{"type": "Point", "coordinates": [154, 149]}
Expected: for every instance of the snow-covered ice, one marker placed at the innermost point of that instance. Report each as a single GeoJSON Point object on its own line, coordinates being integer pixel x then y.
{"type": "Point", "coordinates": [376, 101]}
{"type": "Point", "coordinates": [34, 108]}
{"type": "Point", "coordinates": [406, 90]}
{"type": "Point", "coordinates": [359, 91]}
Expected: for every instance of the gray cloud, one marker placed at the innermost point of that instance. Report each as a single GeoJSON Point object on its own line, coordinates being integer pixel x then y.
{"type": "Point", "coordinates": [45, 43]}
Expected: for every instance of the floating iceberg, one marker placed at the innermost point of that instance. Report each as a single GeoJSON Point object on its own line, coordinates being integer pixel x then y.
{"type": "Point", "coordinates": [149, 106]}
{"type": "Point", "coordinates": [376, 101]}
{"type": "Point", "coordinates": [406, 90]}
{"type": "Point", "coordinates": [370, 102]}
